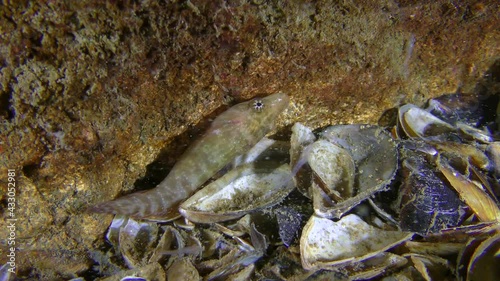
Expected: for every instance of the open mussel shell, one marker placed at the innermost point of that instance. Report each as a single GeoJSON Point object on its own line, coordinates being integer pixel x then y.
{"type": "Point", "coordinates": [375, 157]}
{"type": "Point", "coordinates": [325, 244]}
{"type": "Point", "coordinates": [242, 190]}
{"type": "Point", "coordinates": [418, 123]}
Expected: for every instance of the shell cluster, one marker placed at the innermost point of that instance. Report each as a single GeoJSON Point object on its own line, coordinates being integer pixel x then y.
{"type": "Point", "coordinates": [417, 199]}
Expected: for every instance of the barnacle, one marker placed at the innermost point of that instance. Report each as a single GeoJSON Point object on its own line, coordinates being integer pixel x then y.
{"type": "Point", "coordinates": [258, 105]}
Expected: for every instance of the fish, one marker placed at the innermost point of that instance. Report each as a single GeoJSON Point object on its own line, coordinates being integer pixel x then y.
{"type": "Point", "coordinates": [231, 134]}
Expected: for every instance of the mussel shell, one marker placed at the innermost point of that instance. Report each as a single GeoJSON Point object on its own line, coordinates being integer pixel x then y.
{"type": "Point", "coordinates": [427, 204]}
{"type": "Point", "coordinates": [325, 244]}
{"type": "Point", "coordinates": [376, 160]}
{"type": "Point", "coordinates": [289, 222]}
{"type": "Point", "coordinates": [480, 202]}
{"type": "Point", "coordinates": [334, 167]}
{"type": "Point", "coordinates": [418, 123]}
{"type": "Point", "coordinates": [240, 191]}
{"type": "Point", "coordinates": [466, 152]}
{"type": "Point", "coordinates": [473, 133]}
{"type": "Point", "coordinates": [113, 234]}
{"type": "Point", "coordinates": [373, 150]}
{"type": "Point", "coordinates": [431, 267]}
{"type": "Point", "coordinates": [137, 242]}
{"type": "Point", "coordinates": [373, 267]}
{"type": "Point", "coordinates": [183, 270]}
{"type": "Point", "coordinates": [479, 259]}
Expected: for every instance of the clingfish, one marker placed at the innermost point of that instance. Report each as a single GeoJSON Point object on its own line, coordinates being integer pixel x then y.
{"type": "Point", "coordinates": [231, 134]}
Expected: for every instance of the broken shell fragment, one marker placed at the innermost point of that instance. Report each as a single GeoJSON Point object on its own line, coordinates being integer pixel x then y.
{"type": "Point", "coordinates": [325, 244]}
{"type": "Point", "coordinates": [289, 223]}
{"type": "Point", "coordinates": [243, 255]}
{"type": "Point", "coordinates": [184, 270]}
{"type": "Point", "coordinates": [431, 267]}
{"type": "Point", "coordinates": [240, 191]}
{"type": "Point", "coordinates": [373, 267]}
{"type": "Point", "coordinates": [376, 160]}
{"type": "Point", "coordinates": [113, 234]}
{"type": "Point", "coordinates": [137, 241]}
{"type": "Point", "coordinates": [177, 243]}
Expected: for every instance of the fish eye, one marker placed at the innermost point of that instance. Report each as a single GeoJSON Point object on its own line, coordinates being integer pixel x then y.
{"type": "Point", "coordinates": [258, 105]}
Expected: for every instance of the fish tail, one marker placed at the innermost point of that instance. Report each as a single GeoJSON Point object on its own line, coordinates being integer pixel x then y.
{"type": "Point", "coordinates": [149, 204]}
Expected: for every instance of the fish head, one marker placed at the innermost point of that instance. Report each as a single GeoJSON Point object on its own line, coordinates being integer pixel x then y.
{"type": "Point", "coordinates": [256, 116]}
{"type": "Point", "coordinates": [259, 115]}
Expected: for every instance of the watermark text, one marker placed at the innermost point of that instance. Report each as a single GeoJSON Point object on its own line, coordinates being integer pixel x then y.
{"type": "Point", "coordinates": [11, 220]}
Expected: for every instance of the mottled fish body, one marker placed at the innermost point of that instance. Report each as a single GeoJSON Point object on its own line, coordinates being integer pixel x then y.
{"type": "Point", "coordinates": [232, 133]}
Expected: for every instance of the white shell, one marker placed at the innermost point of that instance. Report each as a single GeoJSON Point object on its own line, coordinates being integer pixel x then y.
{"type": "Point", "coordinates": [417, 122]}
{"type": "Point", "coordinates": [114, 230]}
{"type": "Point", "coordinates": [325, 244]}
{"type": "Point", "coordinates": [335, 168]}
{"type": "Point", "coordinates": [237, 193]}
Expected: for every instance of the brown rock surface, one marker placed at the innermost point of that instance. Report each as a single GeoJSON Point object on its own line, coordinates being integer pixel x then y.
{"type": "Point", "coordinates": [92, 91]}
